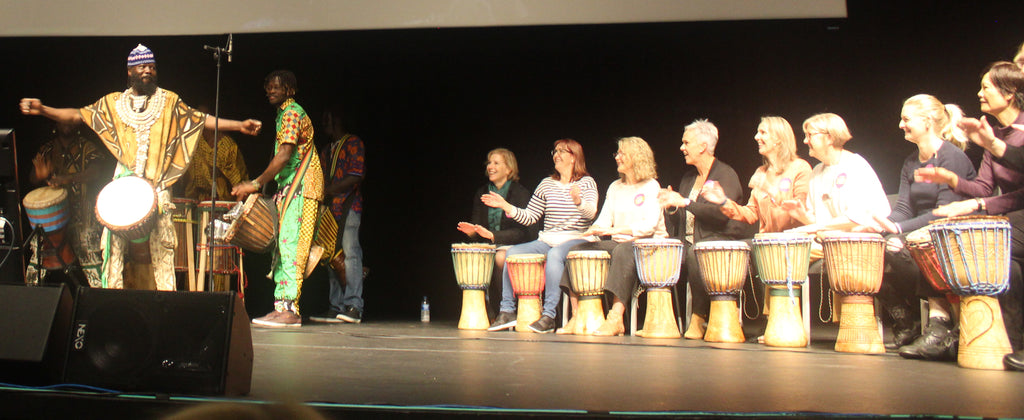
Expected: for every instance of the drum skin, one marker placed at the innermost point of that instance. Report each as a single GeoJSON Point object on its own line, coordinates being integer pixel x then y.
{"type": "Point", "coordinates": [126, 206]}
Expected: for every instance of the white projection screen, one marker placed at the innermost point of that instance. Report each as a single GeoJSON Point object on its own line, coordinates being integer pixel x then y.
{"type": "Point", "coordinates": [202, 17]}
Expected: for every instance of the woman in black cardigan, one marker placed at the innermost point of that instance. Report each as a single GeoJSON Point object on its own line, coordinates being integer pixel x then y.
{"type": "Point", "coordinates": [490, 224]}
{"type": "Point", "coordinates": [691, 218]}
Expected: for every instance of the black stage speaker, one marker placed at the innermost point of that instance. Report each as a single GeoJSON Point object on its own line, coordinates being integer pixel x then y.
{"type": "Point", "coordinates": [13, 269]}
{"type": "Point", "coordinates": [165, 342]}
{"type": "Point", "coordinates": [8, 154]}
{"type": "Point", "coordinates": [34, 325]}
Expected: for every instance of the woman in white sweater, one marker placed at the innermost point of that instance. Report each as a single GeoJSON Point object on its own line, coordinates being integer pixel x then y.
{"type": "Point", "coordinates": [631, 211]}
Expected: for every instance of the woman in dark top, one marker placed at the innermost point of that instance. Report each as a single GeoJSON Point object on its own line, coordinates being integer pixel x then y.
{"type": "Point", "coordinates": [1002, 97]}
{"type": "Point", "coordinates": [492, 225]}
{"type": "Point", "coordinates": [930, 125]}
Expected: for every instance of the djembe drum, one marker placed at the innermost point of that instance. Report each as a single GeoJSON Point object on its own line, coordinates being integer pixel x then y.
{"type": "Point", "coordinates": [47, 209]}
{"type": "Point", "coordinates": [782, 260]}
{"type": "Point", "coordinates": [126, 206]}
{"type": "Point", "coordinates": [474, 264]}
{"type": "Point", "coordinates": [657, 265]}
{"type": "Point", "coordinates": [588, 271]}
{"type": "Point", "coordinates": [526, 271]}
{"type": "Point", "coordinates": [919, 244]}
{"type": "Point", "coordinates": [974, 253]}
{"type": "Point", "coordinates": [723, 266]}
{"type": "Point", "coordinates": [255, 225]}
{"type": "Point", "coordinates": [226, 258]}
{"type": "Point", "coordinates": [854, 263]}
{"type": "Point", "coordinates": [184, 228]}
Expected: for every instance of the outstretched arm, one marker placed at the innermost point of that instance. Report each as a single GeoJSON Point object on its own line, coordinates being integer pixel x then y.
{"type": "Point", "coordinates": [33, 106]}
{"type": "Point", "coordinates": [250, 126]}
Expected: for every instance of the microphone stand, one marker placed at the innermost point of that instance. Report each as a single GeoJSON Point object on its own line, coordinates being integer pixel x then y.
{"type": "Point", "coordinates": [217, 53]}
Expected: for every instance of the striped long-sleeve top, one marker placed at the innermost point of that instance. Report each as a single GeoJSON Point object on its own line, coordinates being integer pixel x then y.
{"type": "Point", "coordinates": [563, 219]}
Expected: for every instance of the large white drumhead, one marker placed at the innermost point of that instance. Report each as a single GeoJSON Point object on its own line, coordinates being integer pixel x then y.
{"type": "Point", "coordinates": [125, 201]}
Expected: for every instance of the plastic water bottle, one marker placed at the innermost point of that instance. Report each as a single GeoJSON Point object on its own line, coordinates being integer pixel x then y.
{"type": "Point", "coordinates": [425, 310]}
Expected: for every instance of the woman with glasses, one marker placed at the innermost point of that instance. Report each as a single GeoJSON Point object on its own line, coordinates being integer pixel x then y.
{"type": "Point", "coordinates": [567, 200]}
{"type": "Point", "coordinates": [844, 191]}
{"type": "Point", "coordinates": [491, 224]}
{"type": "Point", "coordinates": [630, 212]}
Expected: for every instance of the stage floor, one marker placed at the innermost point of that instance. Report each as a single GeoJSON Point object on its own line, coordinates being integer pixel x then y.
{"type": "Point", "coordinates": [435, 364]}
{"type": "Point", "coordinates": [381, 369]}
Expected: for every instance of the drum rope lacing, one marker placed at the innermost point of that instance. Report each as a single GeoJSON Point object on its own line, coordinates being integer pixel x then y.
{"type": "Point", "coordinates": [753, 295]}
{"type": "Point", "coordinates": [950, 269]}
{"type": "Point", "coordinates": [822, 299]}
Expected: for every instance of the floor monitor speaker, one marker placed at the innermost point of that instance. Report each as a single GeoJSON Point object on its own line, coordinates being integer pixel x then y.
{"type": "Point", "coordinates": [34, 325]}
{"type": "Point", "coordinates": [164, 342]}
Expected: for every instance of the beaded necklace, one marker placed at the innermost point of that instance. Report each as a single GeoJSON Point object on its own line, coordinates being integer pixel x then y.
{"type": "Point", "coordinates": [141, 121]}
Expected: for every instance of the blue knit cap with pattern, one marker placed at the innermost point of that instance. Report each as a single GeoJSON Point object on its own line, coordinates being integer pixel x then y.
{"type": "Point", "coordinates": [140, 55]}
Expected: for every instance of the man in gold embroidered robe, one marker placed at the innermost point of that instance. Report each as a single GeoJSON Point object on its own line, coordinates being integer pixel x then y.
{"type": "Point", "coordinates": [152, 133]}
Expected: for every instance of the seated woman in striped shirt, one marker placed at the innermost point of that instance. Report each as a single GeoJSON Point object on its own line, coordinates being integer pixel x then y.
{"type": "Point", "coordinates": [567, 200]}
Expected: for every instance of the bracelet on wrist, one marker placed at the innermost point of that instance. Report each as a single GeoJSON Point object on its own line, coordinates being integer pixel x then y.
{"type": "Point", "coordinates": [981, 204]}
{"type": "Point", "coordinates": [256, 183]}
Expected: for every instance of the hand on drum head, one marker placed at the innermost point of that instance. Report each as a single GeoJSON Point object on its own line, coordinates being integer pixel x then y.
{"type": "Point", "coordinates": [713, 192]}
{"type": "Point", "coordinates": [958, 208]}
{"type": "Point", "coordinates": [59, 180]}
{"type": "Point", "coordinates": [894, 244]}
{"type": "Point", "coordinates": [242, 190]}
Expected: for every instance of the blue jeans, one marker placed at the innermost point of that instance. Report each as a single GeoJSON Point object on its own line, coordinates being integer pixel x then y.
{"type": "Point", "coordinates": [348, 240]}
{"type": "Point", "coordinates": [553, 268]}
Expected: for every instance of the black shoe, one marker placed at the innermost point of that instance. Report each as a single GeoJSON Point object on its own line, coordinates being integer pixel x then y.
{"type": "Point", "coordinates": [504, 321]}
{"type": "Point", "coordinates": [330, 317]}
{"type": "Point", "coordinates": [1014, 361]}
{"type": "Point", "coordinates": [351, 314]}
{"type": "Point", "coordinates": [906, 326]}
{"type": "Point", "coordinates": [939, 342]}
{"type": "Point", "coordinates": [543, 325]}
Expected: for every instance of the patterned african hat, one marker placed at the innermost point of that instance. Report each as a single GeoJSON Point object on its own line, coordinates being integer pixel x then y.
{"type": "Point", "coordinates": [140, 55]}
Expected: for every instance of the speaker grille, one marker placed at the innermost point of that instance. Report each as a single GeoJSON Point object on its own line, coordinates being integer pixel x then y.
{"type": "Point", "coordinates": [173, 342]}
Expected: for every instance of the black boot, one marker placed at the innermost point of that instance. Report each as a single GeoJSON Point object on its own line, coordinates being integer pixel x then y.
{"type": "Point", "coordinates": [939, 342]}
{"type": "Point", "coordinates": [906, 325]}
{"type": "Point", "coordinates": [1014, 361]}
